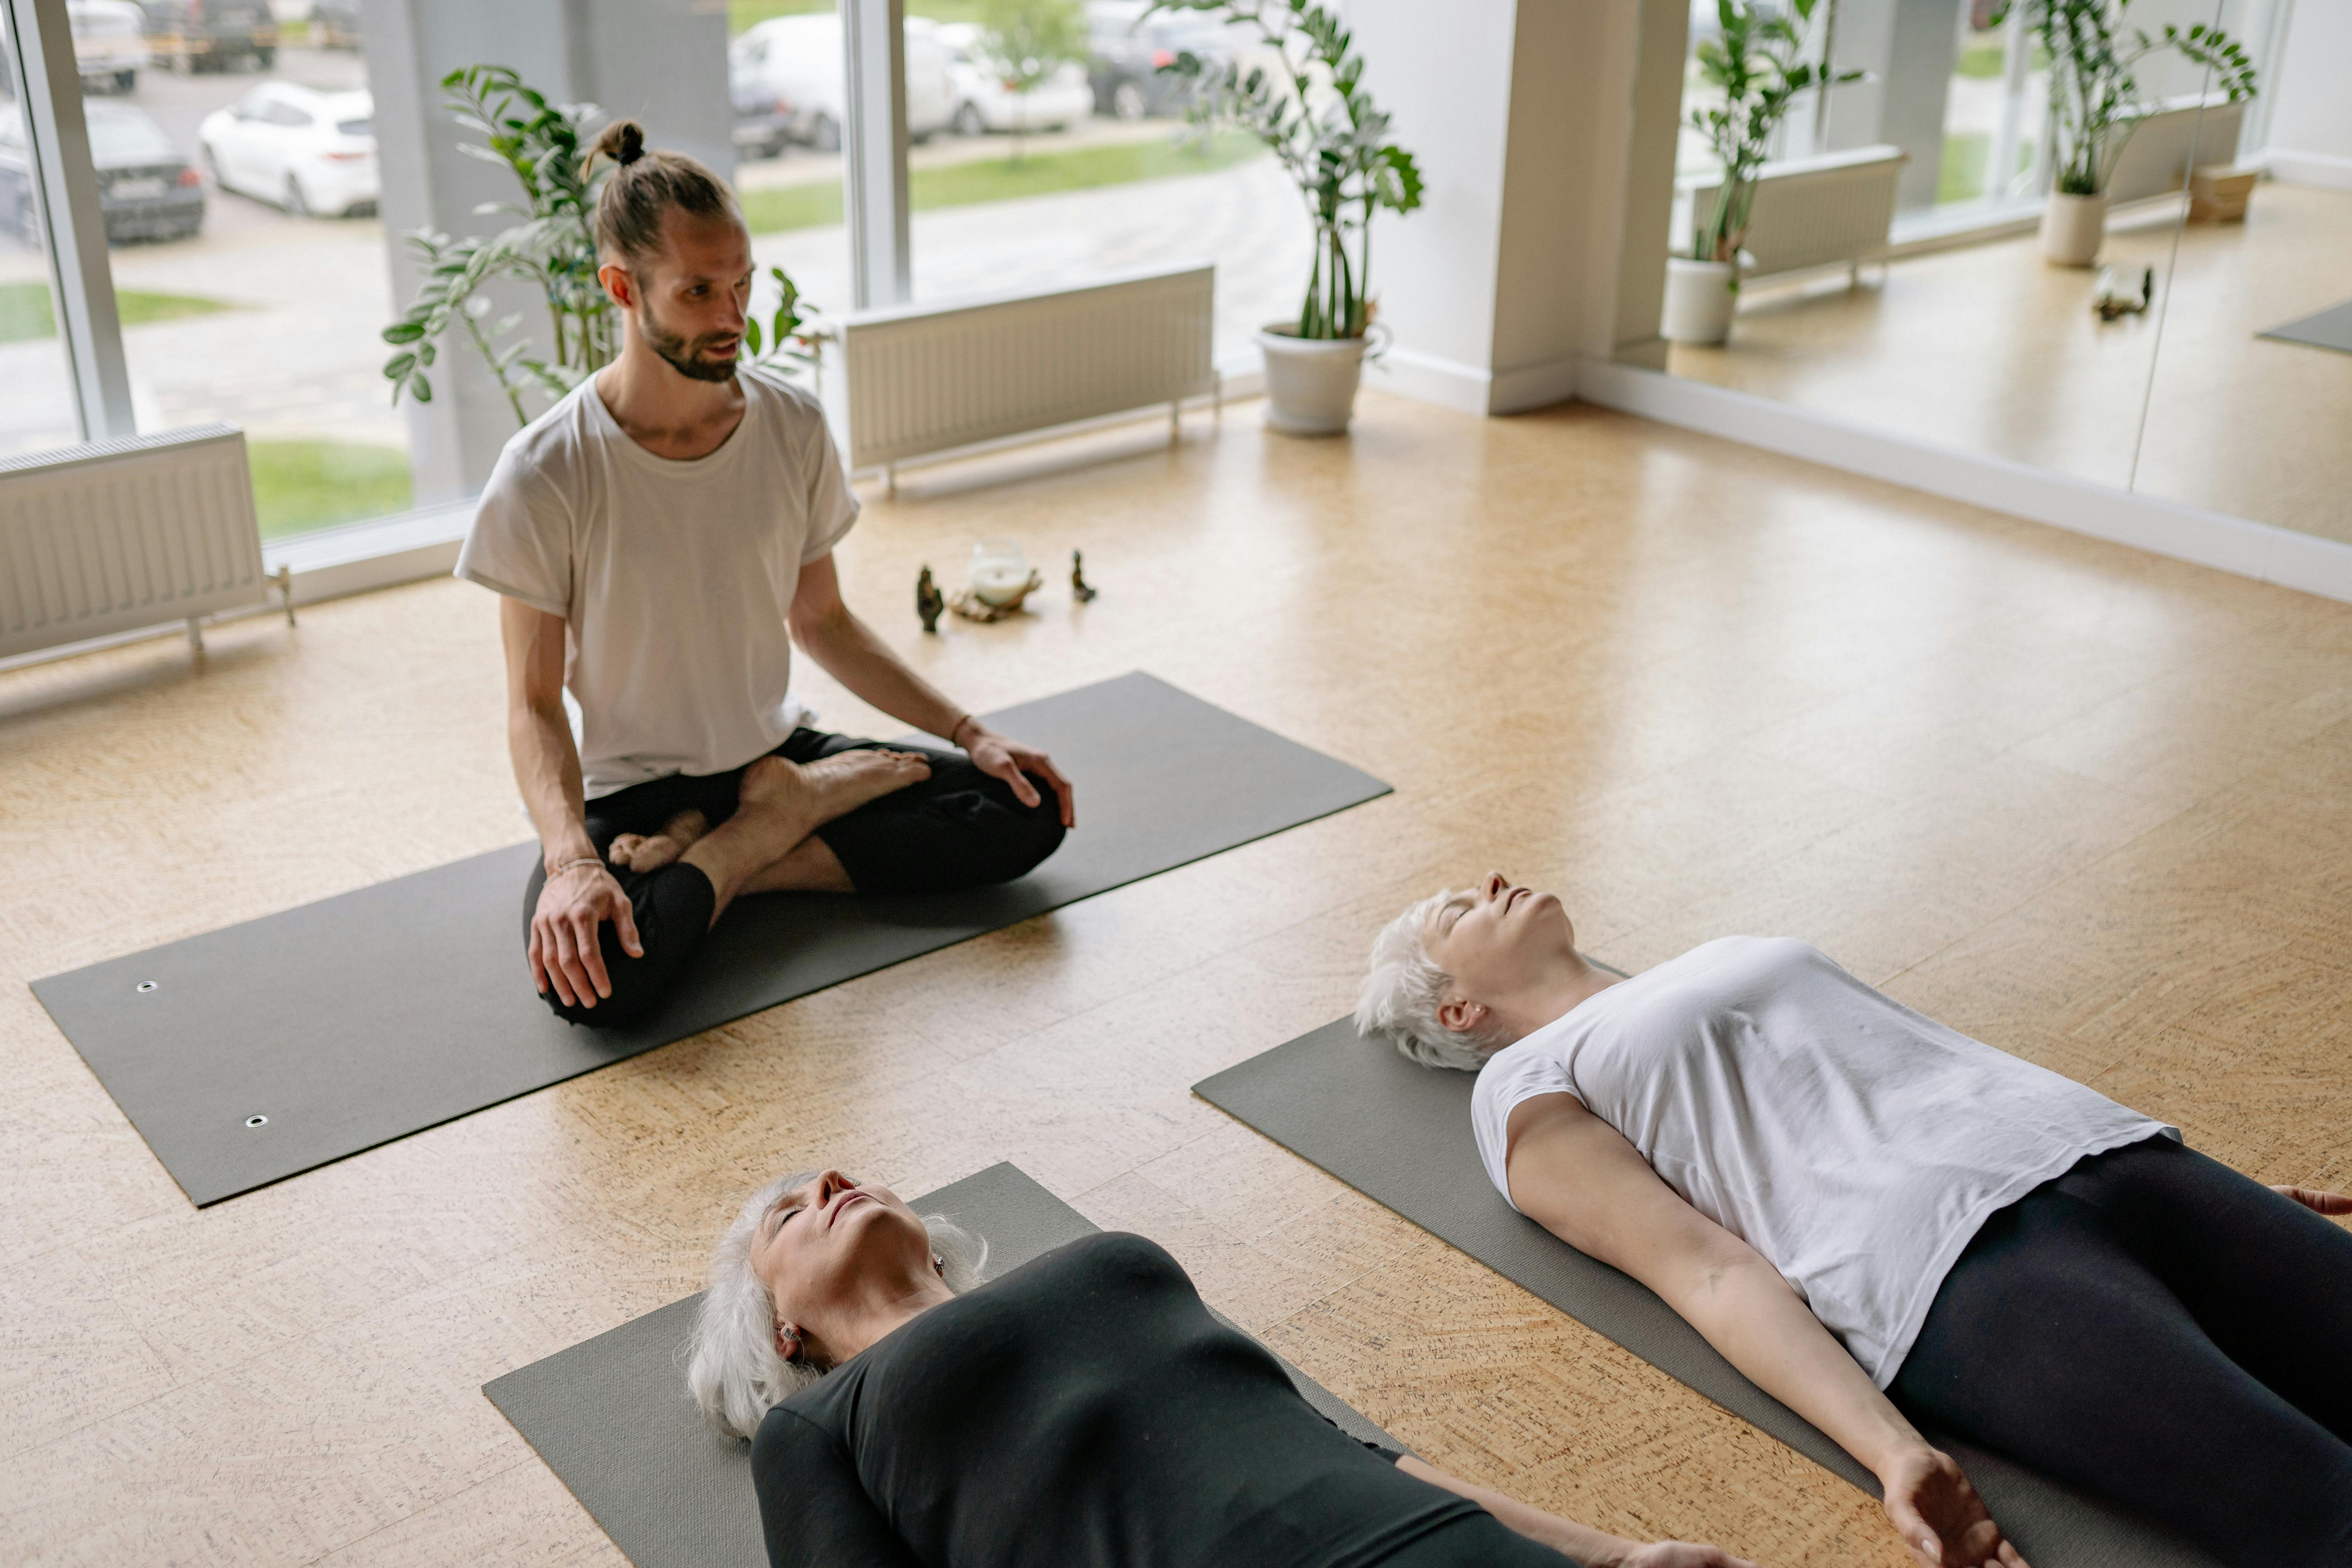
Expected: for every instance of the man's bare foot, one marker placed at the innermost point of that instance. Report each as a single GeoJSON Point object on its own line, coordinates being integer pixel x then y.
{"type": "Point", "coordinates": [643, 852]}
{"type": "Point", "coordinates": [830, 786]}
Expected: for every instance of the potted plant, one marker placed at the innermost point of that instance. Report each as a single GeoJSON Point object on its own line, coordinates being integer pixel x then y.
{"type": "Point", "coordinates": [1754, 61]}
{"type": "Point", "coordinates": [1332, 141]}
{"type": "Point", "coordinates": [552, 249]}
{"type": "Point", "coordinates": [2093, 96]}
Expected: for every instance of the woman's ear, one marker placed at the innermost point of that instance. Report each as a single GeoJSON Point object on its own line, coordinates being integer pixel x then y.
{"type": "Point", "coordinates": [1459, 1015]}
{"type": "Point", "coordinates": [788, 1343]}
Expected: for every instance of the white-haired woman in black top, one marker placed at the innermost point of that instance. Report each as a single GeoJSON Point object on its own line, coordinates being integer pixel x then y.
{"type": "Point", "coordinates": [1085, 1408]}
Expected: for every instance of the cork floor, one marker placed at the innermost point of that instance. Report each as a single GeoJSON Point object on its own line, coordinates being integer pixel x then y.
{"type": "Point", "coordinates": [2090, 804]}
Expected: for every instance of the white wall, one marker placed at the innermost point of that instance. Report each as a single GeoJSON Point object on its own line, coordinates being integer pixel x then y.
{"type": "Point", "coordinates": [2311, 111]}
{"type": "Point", "coordinates": [1487, 286]}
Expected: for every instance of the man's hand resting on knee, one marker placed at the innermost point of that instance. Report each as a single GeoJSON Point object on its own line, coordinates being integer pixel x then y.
{"type": "Point", "coordinates": [1003, 757]}
{"type": "Point", "coordinates": [564, 953]}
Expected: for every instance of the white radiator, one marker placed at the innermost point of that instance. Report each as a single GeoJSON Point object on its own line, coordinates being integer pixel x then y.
{"type": "Point", "coordinates": [930, 378]}
{"type": "Point", "coordinates": [1809, 211]}
{"type": "Point", "coordinates": [2154, 155]}
{"type": "Point", "coordinates": [113, 536]}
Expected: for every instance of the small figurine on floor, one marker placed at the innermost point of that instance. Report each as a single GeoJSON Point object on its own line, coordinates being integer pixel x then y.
{"type": "Point", "coordinates": [2108, 301]}
{"type": "Point", "coordinates": [928, 600]}
{"type": "Point", "coordinates": [1079, 588]}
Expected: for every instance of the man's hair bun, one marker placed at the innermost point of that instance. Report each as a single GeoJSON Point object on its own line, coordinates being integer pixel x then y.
{"type": "Point", "coordinates": [624, 141]}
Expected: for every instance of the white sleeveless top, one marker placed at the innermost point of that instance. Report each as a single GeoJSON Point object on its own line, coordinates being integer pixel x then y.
{"type": "Point", "coordinates": [1855, 1144]}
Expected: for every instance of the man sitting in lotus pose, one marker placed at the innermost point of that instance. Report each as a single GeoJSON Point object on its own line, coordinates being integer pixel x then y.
{"type": "Point", "coordinates": [660, 539]}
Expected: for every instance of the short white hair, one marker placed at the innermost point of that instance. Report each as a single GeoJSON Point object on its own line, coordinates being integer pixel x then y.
{"type": "Point", "coordinates": [1406, 988]}
{"type": "Point", "coordinates": [733, 1367]}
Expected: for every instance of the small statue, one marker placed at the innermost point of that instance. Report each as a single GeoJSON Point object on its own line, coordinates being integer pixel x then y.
{"type": "Point", "coordinates": [1079, 588]}
{"type": "Point", "coordinates": [2108, 301]}
{"type": "Point", "coordinates": [928, 600]}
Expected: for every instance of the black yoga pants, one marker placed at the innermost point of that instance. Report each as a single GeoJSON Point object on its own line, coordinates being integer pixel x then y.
{"type": "Point", "coordinates": [958, 829]}
{"type": "Point", "coordinates": [2160, 1330]}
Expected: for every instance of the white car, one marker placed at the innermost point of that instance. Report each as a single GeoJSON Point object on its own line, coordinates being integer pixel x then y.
{"type": "Point", "coordinates": [985, 102]}
{"type": "Point", "coordinates": [795, 62]}
{"type": "Point", "coordinates": [308, 152]}
{"type": "Point", "coordinates": [110, 43]}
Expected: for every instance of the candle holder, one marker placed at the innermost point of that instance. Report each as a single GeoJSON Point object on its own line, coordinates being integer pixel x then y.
{"type": "Point", "coordinates": [1002, 578]}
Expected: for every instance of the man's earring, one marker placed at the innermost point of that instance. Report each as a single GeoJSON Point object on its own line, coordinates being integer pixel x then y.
{"type": "Point", "coordinates": [791, 1337]}
{"type": "Point", "coordinates": [940, 1264]}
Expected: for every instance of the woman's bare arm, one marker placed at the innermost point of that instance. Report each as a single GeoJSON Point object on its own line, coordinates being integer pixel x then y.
{"type": "Point", "coordinates": [1592, 1548]}
{"type": "Point", "coordinates": [1573, 1173]}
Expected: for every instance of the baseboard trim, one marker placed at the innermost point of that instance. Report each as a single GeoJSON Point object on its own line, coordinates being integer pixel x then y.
{"type": "Point", "coordinates": [2323, 169]}
{"type": "Point", "coordinates": [1450, 383]}
{"type": "Point", "coordinates": [2257, 550]}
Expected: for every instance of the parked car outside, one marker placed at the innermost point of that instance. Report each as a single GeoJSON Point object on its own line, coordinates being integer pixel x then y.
{"type": "Point", "coordinates": [335, 24]}
{"type": "Point", "coordinates": [796, 61]}
{"type": "Point", "coordinates": [1129, 52]}
{"type": "Point", "coordinates": [146, 190]}
{"type": "Point", "coordinates": [985, 102]}
{"type": "Point", "coordinates": [110, 43]}
{"type": "Point", "coordinates": [211, 35]}
{"type": "Point", "coordinates": [307, 150]}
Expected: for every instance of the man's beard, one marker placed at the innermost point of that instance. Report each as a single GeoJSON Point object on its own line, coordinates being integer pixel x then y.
{"type": "Point", "coordinates": [684, 357]}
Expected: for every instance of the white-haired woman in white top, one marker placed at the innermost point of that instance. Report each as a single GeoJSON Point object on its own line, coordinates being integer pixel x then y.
{"type": "Point", "coordinates": [1851, 1201]}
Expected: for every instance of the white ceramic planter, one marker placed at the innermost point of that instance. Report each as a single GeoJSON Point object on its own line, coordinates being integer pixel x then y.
{"type": "Point", "coordinates": [1310, 382]}
{"type": "Point", "coordinates": [2073, 229]}
{"type": "Point", "coordinates": [1699, 300]}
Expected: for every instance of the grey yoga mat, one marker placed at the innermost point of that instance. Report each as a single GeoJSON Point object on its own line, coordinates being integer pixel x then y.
{"type": "Point", "coordinates": [248, 1055]}
{"type": "Point", "coordinates": [1401, 1135]}
{"type": "Point", "coordinates": [2330, 329]}
{"type": "Point", "coordinates": [613, 1420]}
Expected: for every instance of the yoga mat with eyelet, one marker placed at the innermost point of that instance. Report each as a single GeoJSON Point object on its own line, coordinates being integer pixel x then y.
{"type": "Point", "coordinates": [612, 1417]}
{"type": "Point", "coordinates": [2330, 328]}
{"type": "Point", "coordinates": [249, 1055]}
{"type": "Point", "coordinates": [1400, 1134]}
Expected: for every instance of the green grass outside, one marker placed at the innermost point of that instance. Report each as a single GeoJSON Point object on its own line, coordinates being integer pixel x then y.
{"type": "Point", "coordinates": [1961, 176]}
{"type": "Point", "coordinates": [744, 15]}
{"type": "Point", "coordinates": [818, 203]}
{"type": "Point", "coordinates": [301, 485]}
{"type": "Point", "coordinates": [25, 311]}
{"type": "Point", "coordinates": [1981, 57]}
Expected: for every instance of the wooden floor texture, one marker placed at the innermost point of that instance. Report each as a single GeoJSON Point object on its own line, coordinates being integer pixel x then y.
{"type": "Point", "coordinates": [2090, 804]}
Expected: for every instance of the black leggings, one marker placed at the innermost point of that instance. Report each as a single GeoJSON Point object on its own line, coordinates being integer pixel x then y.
{"type": "Point", "coordinates": [2160, 1330]}
{"type": "Point", "coordinates": [1476, 1540]}
{"type": "Point", "coordinates": [958, 829]}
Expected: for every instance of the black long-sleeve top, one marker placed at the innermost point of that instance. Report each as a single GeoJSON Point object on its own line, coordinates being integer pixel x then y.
{"type": "Point", "coordinates": [1084, 1409]}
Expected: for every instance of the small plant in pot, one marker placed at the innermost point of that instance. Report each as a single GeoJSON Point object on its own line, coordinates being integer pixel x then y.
{"type": "Point", "coordinates": [1332, 141]}
{"type": "Point", "coordinates": [1754, 61]}
{"type": "Point", "coordinates": [2093, 102]}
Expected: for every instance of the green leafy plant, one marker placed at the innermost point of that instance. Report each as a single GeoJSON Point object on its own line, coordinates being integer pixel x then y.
{"type": "Point", "coordinates": [1323, 126]}
{"type": "Point", "coordinates": [2092, 91]}
{"type": "Point", "coordinates": [1024, 42]}
{"type": "Point", "coordinates": [1754, 61]}
{"type": "Point", "coordinates": [551, 249]}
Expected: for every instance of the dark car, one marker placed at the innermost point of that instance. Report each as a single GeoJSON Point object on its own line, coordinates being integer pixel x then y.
{"type": "Point", "coordinates": [335, 24]}
{"type": "Point", "coordinates": [146, 190]}
{"type": "Point", "coordinates": [1128, 53]}
{"type": "Point", "coordinates": [211, 35]}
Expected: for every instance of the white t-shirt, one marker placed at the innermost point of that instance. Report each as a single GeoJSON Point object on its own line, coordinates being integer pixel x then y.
{"type": "Point", "coordinates": [673, 576]}
{"type": "Point", "coordinates": [1855, 1144]}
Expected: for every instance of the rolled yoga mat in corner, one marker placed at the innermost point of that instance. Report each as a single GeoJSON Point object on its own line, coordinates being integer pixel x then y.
{"type": "Point", "coordinates": [1400, 1134]}
{"type": "Point", "coordinates": [612, 1417]}
{"type": "Point", "coordinates": [252, 1053]}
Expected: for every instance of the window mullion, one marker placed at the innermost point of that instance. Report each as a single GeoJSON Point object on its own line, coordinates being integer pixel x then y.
{"type": "Point", "coordinates": [874, 150]}
{"type": "Point", "coordinates": [81, 277]}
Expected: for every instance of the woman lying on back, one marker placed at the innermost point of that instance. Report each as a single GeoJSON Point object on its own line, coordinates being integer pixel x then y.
{"type": "Point", "coordinates": [1845, 1197]}
{"type": "Point", "coordinates": [1085, 1408]}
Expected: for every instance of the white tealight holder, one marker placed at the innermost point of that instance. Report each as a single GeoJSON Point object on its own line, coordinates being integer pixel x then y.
{"type": "Point", "coordinates": [1001, 576]}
